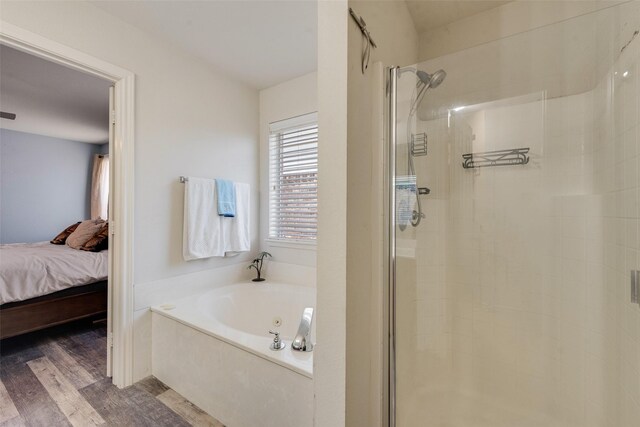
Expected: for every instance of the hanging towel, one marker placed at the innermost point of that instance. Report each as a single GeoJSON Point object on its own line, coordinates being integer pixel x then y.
{"type": "Point", "coordinates": [226, 193]}
{"type": "Point", "coordinates": [237, 232]}
{"type": "Point", "coordinates": [405, 199]}
{"type": "Point", "coordinates": [404, 207]}
{"type": "Point", "coordinates": [203, 234]}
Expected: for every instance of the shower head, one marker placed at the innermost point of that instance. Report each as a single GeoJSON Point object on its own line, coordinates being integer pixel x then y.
{"type": "Point", "coordinates": [431, 80]}
{"type": "Point", "coordinates": [427, 81]}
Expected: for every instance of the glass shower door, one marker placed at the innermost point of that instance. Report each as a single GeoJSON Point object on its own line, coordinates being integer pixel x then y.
{"type": "Point", "coordinates": [515, 239]}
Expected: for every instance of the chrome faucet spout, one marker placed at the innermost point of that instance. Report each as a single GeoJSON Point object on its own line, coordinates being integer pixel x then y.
{"type": "Point", "coordinates": [302, 341]}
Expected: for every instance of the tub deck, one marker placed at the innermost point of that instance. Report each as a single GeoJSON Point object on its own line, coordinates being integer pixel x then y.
{"type": "Point", "coordinates": [208, 348]}
{"type": "Point", "coordinates": [185, 312]}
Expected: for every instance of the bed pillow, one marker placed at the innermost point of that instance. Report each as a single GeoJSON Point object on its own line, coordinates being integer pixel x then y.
{"type": "Point", "coordinates": [85, 231]}
{"type": "Point", "coordinates": [61, 238]}
{"type": "Point", "coordinates": [99, 241]}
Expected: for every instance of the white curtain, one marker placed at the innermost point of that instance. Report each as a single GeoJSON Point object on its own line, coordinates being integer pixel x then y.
{"type": "Point", "coordinates": [100, 187]}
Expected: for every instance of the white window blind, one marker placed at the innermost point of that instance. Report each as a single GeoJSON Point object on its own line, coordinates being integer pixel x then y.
{"type": "Point", "coordinates": [293, 179]}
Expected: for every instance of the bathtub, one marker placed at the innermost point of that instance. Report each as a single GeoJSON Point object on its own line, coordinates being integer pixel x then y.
{"type": "Point", "coordinates": [213, 348]}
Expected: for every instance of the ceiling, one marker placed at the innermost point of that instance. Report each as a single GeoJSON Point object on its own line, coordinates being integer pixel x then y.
{"type": "Point", "coordinates": [430, 14]}
{"type": "Point", "coordinates": [53, 100]}
{"type": "Point", "coordinates": [261, 43]}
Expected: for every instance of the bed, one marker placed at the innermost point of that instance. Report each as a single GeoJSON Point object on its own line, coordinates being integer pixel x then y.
{"type": "Point", "coordinates": [43, 285]}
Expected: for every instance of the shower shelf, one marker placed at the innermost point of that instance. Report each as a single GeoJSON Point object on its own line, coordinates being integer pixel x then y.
{"type": "Point", "coordinates": [514, 156]}
{"type": "Point", "coordinates": [419, 144]}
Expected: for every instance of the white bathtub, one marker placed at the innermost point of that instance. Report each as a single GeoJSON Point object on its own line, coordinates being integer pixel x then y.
{"type": "Point", "coordinates": [213, 348]}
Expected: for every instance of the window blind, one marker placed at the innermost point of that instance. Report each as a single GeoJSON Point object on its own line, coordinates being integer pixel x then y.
{"type": "Point", "coordinates": [293, 179]}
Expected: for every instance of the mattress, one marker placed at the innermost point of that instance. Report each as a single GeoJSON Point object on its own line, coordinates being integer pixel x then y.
{"type": "Point", "coordinates": [29, 270]}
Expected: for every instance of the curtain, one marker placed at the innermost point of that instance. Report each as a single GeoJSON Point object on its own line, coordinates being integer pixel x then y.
{"type": "Point", "coordinates": [100, 187]}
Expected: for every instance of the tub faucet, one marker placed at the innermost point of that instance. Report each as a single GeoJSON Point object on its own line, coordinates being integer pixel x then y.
{"type": "Point", "coordinates": [302, 341]}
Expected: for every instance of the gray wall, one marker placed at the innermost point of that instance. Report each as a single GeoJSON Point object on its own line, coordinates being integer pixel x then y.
{"type": "Point", "coordinates": [44, 185]}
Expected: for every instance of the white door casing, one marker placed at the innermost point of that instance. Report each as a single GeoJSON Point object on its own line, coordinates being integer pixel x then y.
{"type": "Point", "coordinates": [112, 236]}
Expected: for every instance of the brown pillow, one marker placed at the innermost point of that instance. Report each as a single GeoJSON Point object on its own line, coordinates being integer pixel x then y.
{"type": "Point", "coordinates": [61, 238]}
{"type": "Point", "coordinates": [99, 241]}
{"type": "Point", "coordinates": [84, 232]}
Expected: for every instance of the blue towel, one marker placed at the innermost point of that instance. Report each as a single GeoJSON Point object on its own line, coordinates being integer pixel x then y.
{"type": "Point", "coordinates": [226, 192]}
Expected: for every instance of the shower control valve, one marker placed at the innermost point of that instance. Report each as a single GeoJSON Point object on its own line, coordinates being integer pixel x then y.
{"type": "Point", "coordinates": [417, 215]}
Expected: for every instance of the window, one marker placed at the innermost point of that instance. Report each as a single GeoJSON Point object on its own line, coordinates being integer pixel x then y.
{"type": "Point", "coordinates": [293, 179]}
{"type": "Point", "coordinates": [100, 187]}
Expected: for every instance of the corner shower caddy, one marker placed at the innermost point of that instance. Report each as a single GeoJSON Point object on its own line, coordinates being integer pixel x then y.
{"type": "Point", "coordinates": [509, 157]}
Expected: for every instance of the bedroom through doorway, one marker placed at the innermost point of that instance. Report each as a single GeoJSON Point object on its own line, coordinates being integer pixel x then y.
{"type": "Point", "coordinates": [56, 206]}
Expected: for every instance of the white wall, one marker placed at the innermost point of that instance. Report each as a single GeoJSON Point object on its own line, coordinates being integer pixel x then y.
{"type": "Point", "coordinates": [329, 353]}
{"type": "Point", "coordinates": [392, 28]}
{"type": "Point", "coordinates": [348, 368]}
{"type": "Point", "coordinates": [512, 18]}
{"type": "Point", "coordinates": [189, 121]}
{"type": "Point", "coordinates": [289, 99]}
{"type": "Point", "coordinates": [45, 185]}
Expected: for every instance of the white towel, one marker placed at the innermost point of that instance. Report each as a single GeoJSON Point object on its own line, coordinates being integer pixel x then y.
{"type": "Point", "coordinates": [237, 233]}
{"type": "Point", "coordinates": [206, 234]}
{"type": "Point", "coordinates": [203, 236]}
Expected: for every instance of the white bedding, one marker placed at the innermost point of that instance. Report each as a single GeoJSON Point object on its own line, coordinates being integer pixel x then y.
{"type": "Point", "coordinates": [29, 270]}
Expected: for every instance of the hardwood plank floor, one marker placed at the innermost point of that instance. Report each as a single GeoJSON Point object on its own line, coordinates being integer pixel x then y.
{"type": "Point", "coordinates": [187, 410]}
{"type": "Point", "coordinates": [33, 402]}
{"type": "Point", "coordinates": [66, 396]}
{"type": "Point", "coordinates": [57, 378]}
{"type": "Point", "coordinates": [8, 410]}
{"type": "Point", "coordinates": [71, 369]}
{"type": "Point", "coordinates": [152, 386]}
{"type": "Point", "coordinates": [130, 406]}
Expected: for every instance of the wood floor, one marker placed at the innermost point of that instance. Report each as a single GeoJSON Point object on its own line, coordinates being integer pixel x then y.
{"type": "Point", "coordinates": [57, 378]}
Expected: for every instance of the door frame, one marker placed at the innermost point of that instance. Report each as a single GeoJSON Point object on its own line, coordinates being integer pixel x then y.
{"type": "Point", "coordinates": [121, 200]}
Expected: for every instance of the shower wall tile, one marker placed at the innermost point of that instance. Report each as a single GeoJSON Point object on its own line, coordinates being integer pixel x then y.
{"type": "Point", "coordinates": [530, 275]}
{"type": "Point", "coordinates": [522, 273]}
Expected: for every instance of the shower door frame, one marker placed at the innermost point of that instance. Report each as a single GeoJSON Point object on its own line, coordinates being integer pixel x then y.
{"type": "Point", "coordinates": [391, 280]}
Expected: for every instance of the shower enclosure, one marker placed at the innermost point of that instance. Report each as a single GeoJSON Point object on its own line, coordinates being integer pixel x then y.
{"type": "Point", "coordinates": [511, 298]}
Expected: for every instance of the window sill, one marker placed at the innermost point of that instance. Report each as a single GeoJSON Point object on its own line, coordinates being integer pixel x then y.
{"type": "Point", "coordinates": [305, 246]}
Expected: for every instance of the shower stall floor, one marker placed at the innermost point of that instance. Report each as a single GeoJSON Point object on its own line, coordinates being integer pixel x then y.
{"type": "Point", "coordinates": [458, 409]}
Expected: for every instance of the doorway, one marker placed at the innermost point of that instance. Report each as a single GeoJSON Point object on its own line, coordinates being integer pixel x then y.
{"type": "Point", "coordinates": [121, 143]}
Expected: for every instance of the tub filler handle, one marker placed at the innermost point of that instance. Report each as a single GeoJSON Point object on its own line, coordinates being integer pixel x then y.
{"type": "Point", "coordinates": [277, 343]}
{"type": "Point", "coordinates": [302, 341]}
